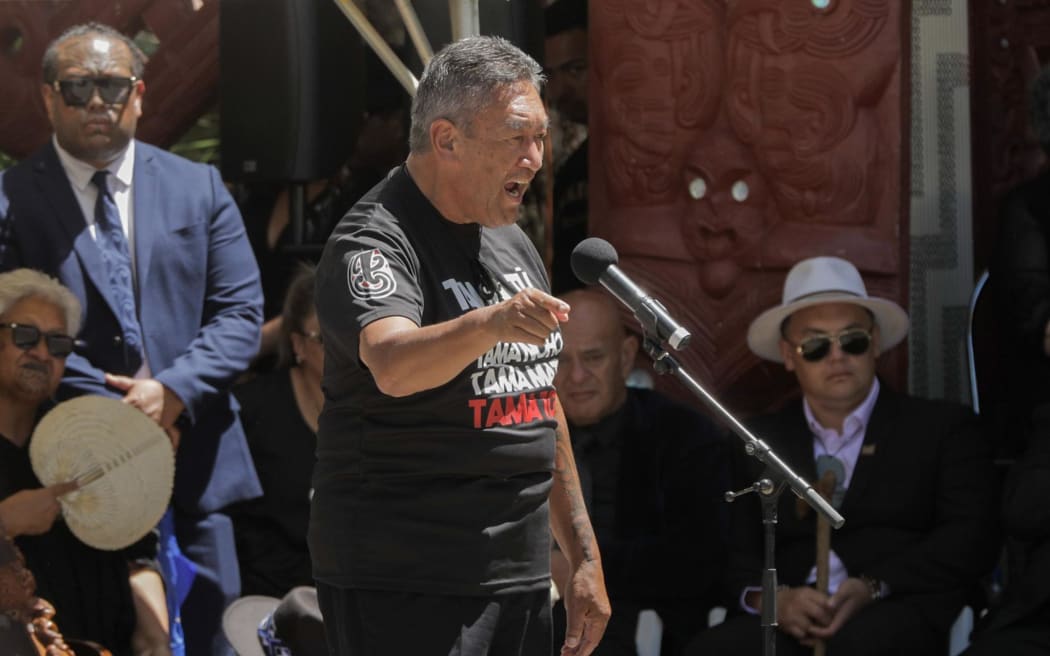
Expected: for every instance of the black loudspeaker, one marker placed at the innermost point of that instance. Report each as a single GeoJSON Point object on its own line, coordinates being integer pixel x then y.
{"type": "Point", "coordinates": [291, 85]}
{"type": "Point", "coordinates": [518, 21]}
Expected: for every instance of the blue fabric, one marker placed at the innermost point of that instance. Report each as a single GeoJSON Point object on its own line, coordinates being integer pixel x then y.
{"type": "Point", "coordinates": [199, 298]}
{"type": "Point", "coordinates": [201, 312]}
{"type": "Point", "coordinates": [208, 541]}
{"type": "Point", "coordinates": [114, 246]}
{"type": "Point", "coordinates": [178, 572]}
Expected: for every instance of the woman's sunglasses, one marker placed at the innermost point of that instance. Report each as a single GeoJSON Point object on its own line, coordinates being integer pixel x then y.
{"type": "Point", "coordinates": [78, 91]}
{"type": "Point", "coordinates": [855, 341]}
{"type": "Point", "coordinates": [26, 336]}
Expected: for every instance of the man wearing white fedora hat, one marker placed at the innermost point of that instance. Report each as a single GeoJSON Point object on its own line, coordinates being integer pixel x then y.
{"type": "Point", "coordinates": [911, 477]}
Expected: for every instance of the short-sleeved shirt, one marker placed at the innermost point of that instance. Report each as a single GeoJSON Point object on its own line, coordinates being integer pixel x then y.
{"type": "Point", "coordinates": [443, 491]}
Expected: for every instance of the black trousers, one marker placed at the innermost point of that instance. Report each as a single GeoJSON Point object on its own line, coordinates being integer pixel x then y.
{"type": "Point", "coordinates": [884, 628]}
{"type": "Point", "coordinates": [1029, 637]}
{"type": "Point", "coordinates": [384, 623]}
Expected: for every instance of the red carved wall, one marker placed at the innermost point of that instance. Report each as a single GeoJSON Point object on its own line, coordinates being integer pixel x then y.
{"type": "Point", "coordinates": [730, 140]}
{"type": "Point", "coordinates": [181, 78]}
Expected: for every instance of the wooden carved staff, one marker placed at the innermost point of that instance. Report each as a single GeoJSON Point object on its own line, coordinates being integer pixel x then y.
{"type": "Point", "coordinates": [826, 487]}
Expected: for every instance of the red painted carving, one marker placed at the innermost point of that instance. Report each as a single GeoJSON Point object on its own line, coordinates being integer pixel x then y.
{"type": "Point", "coordinates": [182, 76]}
{"type": "Point", "coordinates": [730, 140]}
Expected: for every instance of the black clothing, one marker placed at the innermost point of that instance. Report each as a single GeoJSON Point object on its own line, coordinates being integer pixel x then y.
{"type": "Point", "coordinates": [89, 588]}
{"type": "Point", "coordinates": [865, 634]}
{"type": "Point", "coordinates": [1020, 284]}
{"type": "Point", "coordinates": [278, 265]}
{"type": "Point", "coordinates": [443, 491]}
{"type": "Point", "coordinates": [662, 537]}
{"type": "Point", "coordinates": [598, 452]}
{"type": "Point", "coordinates": [569, 218]}
{"type": "Point", "coordinates": [373, 623]}
{"type": "Point", "coordinates": [271, 531]}
{"type": "Point", "coordinates": [1020, 624]}
{"type": "Point", "coordinates": [920, 516]}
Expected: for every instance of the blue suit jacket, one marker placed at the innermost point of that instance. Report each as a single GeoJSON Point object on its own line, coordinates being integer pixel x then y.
{"type": "Point", "coordinates": [199, 300]}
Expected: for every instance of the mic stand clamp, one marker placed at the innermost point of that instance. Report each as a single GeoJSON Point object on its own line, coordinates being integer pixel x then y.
{"type": "Point", "coordinates": [767, 490]}
{"type": "Point", "coordinates": [769, 493]}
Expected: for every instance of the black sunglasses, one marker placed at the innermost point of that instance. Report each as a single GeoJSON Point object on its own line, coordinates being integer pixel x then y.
{"type": "Point", "coordinates": [78, 91]}
{"type": "Point", "coordinates": [26, 336]}
{"type": "Point", "coordinates": [854, 341]}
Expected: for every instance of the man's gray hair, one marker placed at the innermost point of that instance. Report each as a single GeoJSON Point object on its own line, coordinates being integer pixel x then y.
{"type": "Point", "coordinates": [50, 64]}
{"type": "Point", "coordinates": [463, 79]}
{"type": "Point", "coordinates": [21, 284]}
{"type": "Point", "coordinates": [1039, 108]}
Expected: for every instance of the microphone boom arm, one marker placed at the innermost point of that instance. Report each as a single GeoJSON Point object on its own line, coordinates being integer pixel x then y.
{"type": "Point", "coordinates": [666, 363]}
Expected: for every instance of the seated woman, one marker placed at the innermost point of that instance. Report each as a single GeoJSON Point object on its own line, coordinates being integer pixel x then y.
{"type": "Point", "coordinates": [279, 411]}
{"type": "Point", "coordinates": [102, 596]}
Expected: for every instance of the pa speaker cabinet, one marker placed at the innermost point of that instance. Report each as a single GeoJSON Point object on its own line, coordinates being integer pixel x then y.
{"type": "Point", "coordinates": [291, 85]}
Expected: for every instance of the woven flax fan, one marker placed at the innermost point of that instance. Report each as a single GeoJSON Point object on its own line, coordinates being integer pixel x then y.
{"type": "Point", "coordinates": [121, 458]}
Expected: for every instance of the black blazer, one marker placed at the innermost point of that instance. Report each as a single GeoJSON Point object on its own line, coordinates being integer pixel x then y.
{"type": "Point", "coordinates": [667, 548]}
{"type": "Point", "coordinates": [1026, 520]}
{"type": "Point", "coordinates": [919, 511]}
{"type": "Point", "coordinates": [668, 542]}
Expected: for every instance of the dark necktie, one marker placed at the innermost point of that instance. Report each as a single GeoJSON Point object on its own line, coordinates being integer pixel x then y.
{"type": "Point", "coordinates": [114, 246]}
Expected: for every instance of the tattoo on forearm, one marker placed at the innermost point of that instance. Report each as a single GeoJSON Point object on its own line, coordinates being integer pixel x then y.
{"type": "Point", "coordinates": [570, 483]}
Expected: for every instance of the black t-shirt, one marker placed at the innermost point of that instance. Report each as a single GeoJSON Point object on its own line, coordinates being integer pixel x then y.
{"type": "Point", "coordinates": [443, 491]}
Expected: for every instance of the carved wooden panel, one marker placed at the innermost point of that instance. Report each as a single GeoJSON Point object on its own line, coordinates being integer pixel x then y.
{"type": "Point", "coordinates": [729, 141]}
{"type": "Point", "coordinates": [181, 78]}
{"type": "Point", "coordinates": [1010, 42]}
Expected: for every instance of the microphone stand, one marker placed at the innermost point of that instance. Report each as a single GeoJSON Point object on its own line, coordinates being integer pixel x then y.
{"type": "Point", "coordinates": [767, 490]}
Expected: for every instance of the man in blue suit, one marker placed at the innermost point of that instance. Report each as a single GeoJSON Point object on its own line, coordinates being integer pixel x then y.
{"type": "Point", "coordinates": [171, 334]}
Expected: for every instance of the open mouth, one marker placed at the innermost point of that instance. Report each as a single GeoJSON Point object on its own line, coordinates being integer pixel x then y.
{"type": "Point", "coordinates": [515, 189]}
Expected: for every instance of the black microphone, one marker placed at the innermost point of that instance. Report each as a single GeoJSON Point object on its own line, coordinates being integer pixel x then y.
{"type": "Point", "coordinates": [594, 262]}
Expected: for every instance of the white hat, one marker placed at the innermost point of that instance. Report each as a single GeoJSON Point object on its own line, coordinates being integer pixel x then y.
{"type": "Point", "coordinates": [123, 458]}
{"type": "Point", "coordinates": [821, 280]}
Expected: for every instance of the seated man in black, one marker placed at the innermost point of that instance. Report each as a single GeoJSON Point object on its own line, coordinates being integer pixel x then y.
{"type": "Point", "coordinates": [1020, 624]}
{"type": "Point", "coordinates": [914, 483]}
{"type": "Point", "coordinates": [653, 473]}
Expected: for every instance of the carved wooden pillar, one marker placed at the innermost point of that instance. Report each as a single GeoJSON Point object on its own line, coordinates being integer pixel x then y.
{"type": "Point", "coordinates": [730, 140]}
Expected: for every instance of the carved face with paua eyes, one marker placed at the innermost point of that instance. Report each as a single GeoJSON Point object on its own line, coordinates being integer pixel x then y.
{"type": "Point", "coordinates": [726, 205]}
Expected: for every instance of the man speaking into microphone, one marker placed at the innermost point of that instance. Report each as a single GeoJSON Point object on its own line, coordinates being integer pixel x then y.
{"type": "Point", "coordinates": [444, 461]}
